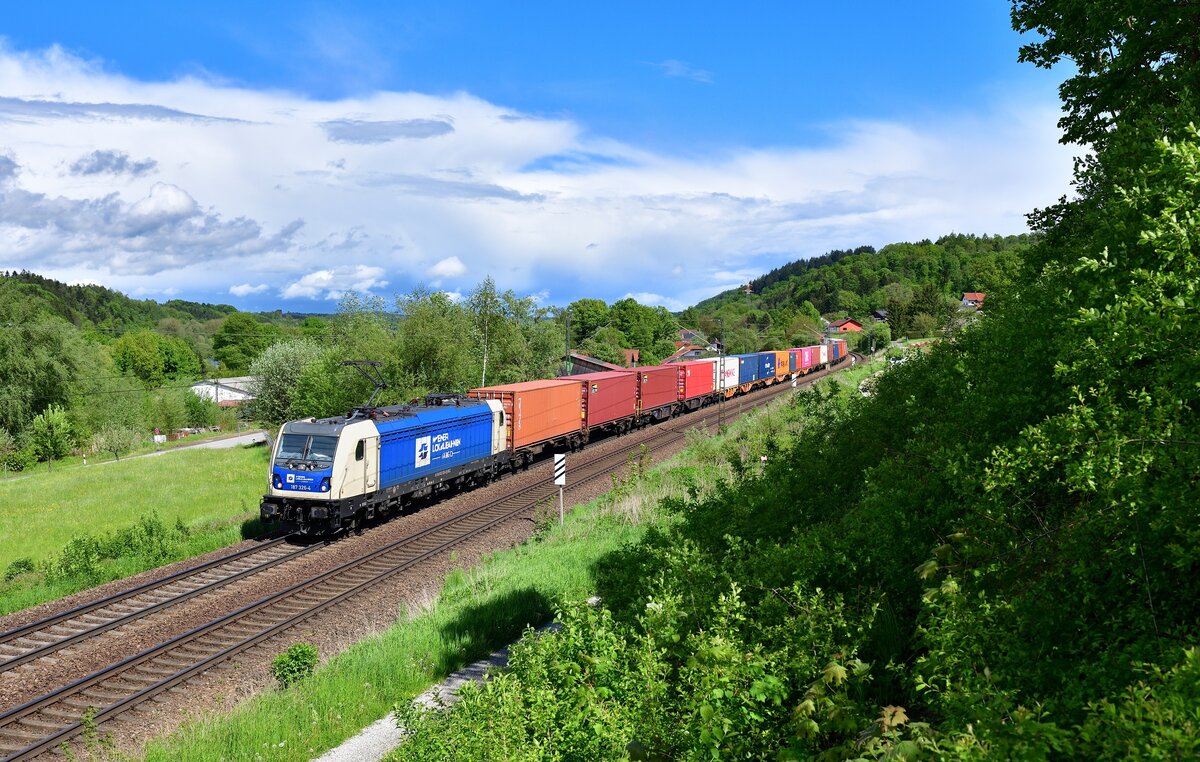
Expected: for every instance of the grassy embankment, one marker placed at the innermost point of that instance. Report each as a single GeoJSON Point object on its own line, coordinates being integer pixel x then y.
{"type": "Point", "coordinates": [64, 531]}
{"type": "Point", "coordinates": [478, 611]}
{"type": "Point", "coordinates": [80, 460]}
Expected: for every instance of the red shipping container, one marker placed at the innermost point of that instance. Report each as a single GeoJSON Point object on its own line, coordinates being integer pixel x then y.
{"type": "Point", "coordinates": [696, 379]}
{"type": "Point", "coordinates": [537, 411]}
{"type": "Point", "coordinates": [608, 396]}
{"type": "Point", "coordinates": [658, 385]}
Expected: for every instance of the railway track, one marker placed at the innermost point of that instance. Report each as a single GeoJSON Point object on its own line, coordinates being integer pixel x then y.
{"type": "Point", "coordinates": [46, 636]}
{"type": "Point", "coordinates": [46, 722]}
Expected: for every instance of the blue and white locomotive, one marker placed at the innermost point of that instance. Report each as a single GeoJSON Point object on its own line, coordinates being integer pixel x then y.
{"type": "Point", "coordinates": [332, 474]}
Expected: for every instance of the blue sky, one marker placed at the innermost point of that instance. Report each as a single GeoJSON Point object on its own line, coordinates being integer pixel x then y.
{"type": "Point", "coordinates": [273, 156]}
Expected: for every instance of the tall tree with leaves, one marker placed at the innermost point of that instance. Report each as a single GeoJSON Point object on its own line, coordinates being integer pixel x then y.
{"type": "Point", "coordinates": [50, 435]}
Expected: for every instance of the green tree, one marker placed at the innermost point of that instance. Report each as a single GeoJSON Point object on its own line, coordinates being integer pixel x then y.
{"type": "Point", "coordinates": [50, 435]}
{"type": "Point", "coordinates": [277, 373]}
{"type": "Point", "coordinates": [241, 339]}
{"type": "Point", "coordinates": [116, 439]}
{"type": "Point", "coordinates": [587, 317]}
{"type": "Point", "coordinates": [154, 358]}
{"type": "Point", "coordinates": [8, 449]}
{"type": "Point", "coordinates": [167, 409]}
{"type": "Point", "coordinates": [607, 344]}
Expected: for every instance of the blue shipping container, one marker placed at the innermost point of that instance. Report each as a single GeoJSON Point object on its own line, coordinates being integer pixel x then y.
{"type": "Point", "coordinates": [766, 365]}
{"type": "Point", "coordinates": [433, 440]}
{"type": "Point", "coordinates": [747, 368]}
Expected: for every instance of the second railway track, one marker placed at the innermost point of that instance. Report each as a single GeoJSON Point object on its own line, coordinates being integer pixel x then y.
{"type": "Point", "coordinates": [46, 722]}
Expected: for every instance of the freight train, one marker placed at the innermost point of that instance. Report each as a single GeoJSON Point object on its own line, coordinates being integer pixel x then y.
{"type": "Point", "coordinates": [333, 474]}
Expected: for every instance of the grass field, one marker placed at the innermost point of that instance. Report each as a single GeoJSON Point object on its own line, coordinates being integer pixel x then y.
{"type": "Point", "coordinates": [201, 497]}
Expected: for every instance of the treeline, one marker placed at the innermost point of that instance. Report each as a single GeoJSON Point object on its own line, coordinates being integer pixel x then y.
{"type": "Point", "coordinates": [992, 557]}
{"type": "Point", "coordinates": [920, 286]}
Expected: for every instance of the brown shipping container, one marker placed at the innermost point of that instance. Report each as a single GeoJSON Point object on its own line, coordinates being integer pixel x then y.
{"type": "Point", "coordinates": [537, 411]}
{"type": "Point", "coordinates": [608, 396]}
{"type": "Point", "coordinates": [658, 385]}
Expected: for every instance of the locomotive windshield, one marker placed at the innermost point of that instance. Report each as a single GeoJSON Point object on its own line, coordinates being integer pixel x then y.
{"type": "Point", "coordinates": [301, 451]}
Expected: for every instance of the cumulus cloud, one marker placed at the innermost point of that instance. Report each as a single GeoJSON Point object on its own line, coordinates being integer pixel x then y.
{"type": "Point", "coordinates": [360, 131]}
{"type": "Point", "coordinates": [111, 163]}
{"type": "Point", "coordinates": [450, 267]}
{"type": "Point", "coordinates": [333, 283]}
{"type": "Point", "coordinates": [246, 289]}
{"type": "Point", "coordinates": [319, 196]}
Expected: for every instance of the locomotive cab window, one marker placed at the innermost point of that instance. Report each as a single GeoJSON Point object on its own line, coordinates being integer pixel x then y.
{"type": "Point", "coordinates": [501, 417]}
{"type": "Point", "coordinates": [301, 451]}
{"type": "Point", "coordinates": [358, 451]}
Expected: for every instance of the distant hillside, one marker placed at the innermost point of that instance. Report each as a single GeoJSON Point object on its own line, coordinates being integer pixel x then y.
{"type": "Point", "coordinates": [918, 284]}
{"type": "Point", "coordinates": [99, 307]}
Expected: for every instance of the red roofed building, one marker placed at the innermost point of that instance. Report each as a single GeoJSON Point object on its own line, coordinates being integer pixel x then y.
{"type": "Point", "coordinates": [845, 325]}
{"type": "Point", "coordinates": [973, 299]}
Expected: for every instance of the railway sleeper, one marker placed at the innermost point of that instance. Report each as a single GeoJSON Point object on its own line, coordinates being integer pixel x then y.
{"type": "Point", "coordinates": [43, 726]}
{"type": "Point", "coordinates": [22, 738]}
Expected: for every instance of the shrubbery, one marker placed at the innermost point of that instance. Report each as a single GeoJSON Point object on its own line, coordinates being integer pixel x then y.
{"type": "Point", "coordinates": [294, 664]}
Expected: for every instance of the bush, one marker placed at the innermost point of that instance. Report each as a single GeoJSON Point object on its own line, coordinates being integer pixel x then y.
{"type": "Point", "coordinates": [19, 566]}
{"type": "Point", "coordinates": [294, 664]}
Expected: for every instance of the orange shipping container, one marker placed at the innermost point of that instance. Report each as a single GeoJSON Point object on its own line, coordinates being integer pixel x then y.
{"type": "Point", "coordinates": [537, 411]}
{"type": "Point", "coordinates": [782, 361]}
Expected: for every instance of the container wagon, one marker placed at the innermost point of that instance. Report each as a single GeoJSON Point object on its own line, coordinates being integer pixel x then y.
{"type": "Point", "coordinates": [766, 368]}
{"type": "Point", "coordinates": [782, 361]}
{"type": "Point", "coordinates": [728, 374]}
{"type": "Point", "coordinates": [609, 399]}
{"type": "Point", "coordinates": [658, 392]}
{"type": "Point", "coordinates": [537, 415]}
{"type": "Point", "coordinates": [696, 382]}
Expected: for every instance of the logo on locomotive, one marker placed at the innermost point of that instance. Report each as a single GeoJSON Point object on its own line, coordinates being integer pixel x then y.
{"type": "Point", "coordinates": [422, 452]}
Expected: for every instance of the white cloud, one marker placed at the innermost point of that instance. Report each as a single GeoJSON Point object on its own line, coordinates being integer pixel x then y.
{"type": "Point", "coordinates": [454, 296]}
{"type": "Point", "coordinates": [246, 289]}
{"type": "Point", "coordinates": [673, 68]}
{"type": "Point", "coordinates": [655, 300]}
{"type": "Point", "coordinates": [450, 267]}
{"type": "Point", "coordinates": [332, 284]}
{"type": "Point", "coordinates": [201, 186]}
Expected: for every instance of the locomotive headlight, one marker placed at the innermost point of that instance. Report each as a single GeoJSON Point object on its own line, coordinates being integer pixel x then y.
{"type": "Point", "coordinates": [325, 484]}
{"type": "Point", "coordinates": [276, 482]}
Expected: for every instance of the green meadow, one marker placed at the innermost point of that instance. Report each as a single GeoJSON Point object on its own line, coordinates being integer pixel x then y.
{"type": "Point", "coordinates": [67, 530]}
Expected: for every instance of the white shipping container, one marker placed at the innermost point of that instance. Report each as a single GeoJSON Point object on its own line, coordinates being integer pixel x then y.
{"type": "Point", "coordinates": [727, 374]}
{"type": "Point", "coordinates": [824, 354]}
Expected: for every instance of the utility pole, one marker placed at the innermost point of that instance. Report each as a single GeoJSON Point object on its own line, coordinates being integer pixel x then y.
{"type": "Point", "coordinates": [567, 342]}
{"type": "Point", "coordinates": [721, 378]}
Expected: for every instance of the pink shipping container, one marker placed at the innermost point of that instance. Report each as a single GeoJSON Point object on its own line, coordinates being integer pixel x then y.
{"type": "Point", "coordinates": [658, 385]}
{"type": "Point", "coordinates": [696, 379]}
{"type": "Point", "coordinates": [608, 396]}
{"type": "Point", "coordinates": [809, 356]}
{"type": "Point", "coordinates": [537, 411]}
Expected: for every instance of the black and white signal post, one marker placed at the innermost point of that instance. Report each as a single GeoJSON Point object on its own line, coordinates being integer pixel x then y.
{"type": "Point", "coordinates": [560, 478]}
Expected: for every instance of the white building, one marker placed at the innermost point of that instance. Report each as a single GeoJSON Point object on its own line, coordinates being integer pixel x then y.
{"type": "Point", "coordinates": [226, 392]}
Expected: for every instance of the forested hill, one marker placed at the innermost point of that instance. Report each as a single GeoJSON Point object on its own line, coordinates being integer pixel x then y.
{"type": "Point", "coordinates": [919, 284]}
{"type": "Point", "coordinates": [96, 306]}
